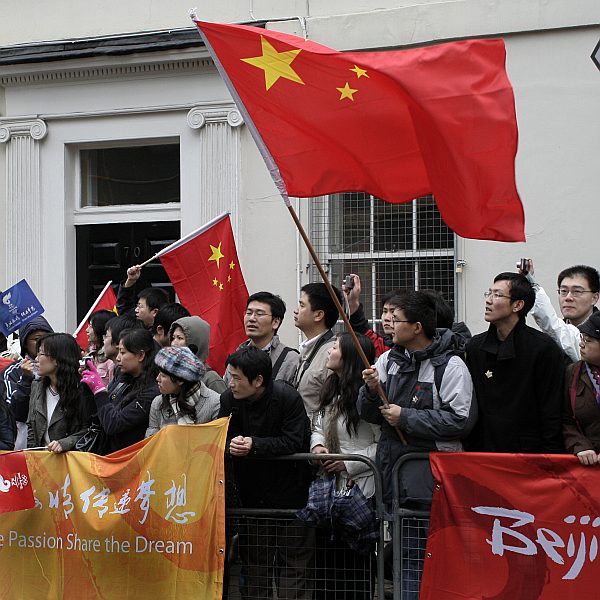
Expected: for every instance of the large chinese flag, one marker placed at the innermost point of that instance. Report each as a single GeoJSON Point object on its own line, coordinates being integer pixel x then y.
{"type": "Point", "coordinates": [106, 300]}
{"type": "Point", "coordinates": [397, 124]}
{"type": "Point", "coordinates": [206, 275]}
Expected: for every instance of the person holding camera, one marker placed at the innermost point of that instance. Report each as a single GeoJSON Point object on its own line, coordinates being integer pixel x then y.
{"type": "Point", "coordinates": [578, 291]}
{"type": "Point", "coordinates": [315, 317]}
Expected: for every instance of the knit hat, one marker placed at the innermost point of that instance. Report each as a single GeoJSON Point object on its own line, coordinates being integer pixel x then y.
{"type": "Point", "coordinates": [181, 363]}
{"type": "Point", "coordinates": [591, 326]}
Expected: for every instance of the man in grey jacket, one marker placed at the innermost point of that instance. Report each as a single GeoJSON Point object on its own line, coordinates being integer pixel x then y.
{"type": "Point", "coordinates": [262, 319]}
{"type": "Point", "coordinates": [315, 317]}
{"type": "Point", "coordinates": [430, 394]}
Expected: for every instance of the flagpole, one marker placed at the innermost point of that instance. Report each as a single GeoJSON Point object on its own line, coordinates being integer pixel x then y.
{"type": "Point", "coordinates": [337, 303]}
{"type": "Point", "coordinates": [89, 312]}
{"type": "Point", "coordinates": [186, 238]}
{"type": "Point", "coordinates": [280, 185]}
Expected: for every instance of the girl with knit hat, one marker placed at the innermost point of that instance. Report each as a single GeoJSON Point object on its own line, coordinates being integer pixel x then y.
{"type": "Point", "coordinates": [184, 398]}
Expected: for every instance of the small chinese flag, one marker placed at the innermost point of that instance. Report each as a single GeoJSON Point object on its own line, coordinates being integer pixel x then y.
{"type": "Point", "coordinates": [397, 124]}
{"type": "Point", "coordinates": [204, 270]}
{"type": "Point", "coordinates": [16, 492]}
{"type": "Point", "coordinates": [106, 300]}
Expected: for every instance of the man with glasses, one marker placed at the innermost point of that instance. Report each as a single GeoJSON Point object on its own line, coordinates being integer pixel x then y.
{"type": "Point", "coordinates": [518, 374]}
{"type": "Point", "coordinates": [578, 289]}
{"type": "Point", "coordinates": [315, 317]}
{"type": "Point", "coordinates": [262, 319]}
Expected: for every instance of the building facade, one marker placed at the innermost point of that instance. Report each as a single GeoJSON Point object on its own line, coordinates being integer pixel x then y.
{"type": "Point", "coordinates": [117, 136]}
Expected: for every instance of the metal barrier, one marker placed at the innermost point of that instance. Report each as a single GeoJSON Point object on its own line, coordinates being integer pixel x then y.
{"type": "Point", "coordinates": [264, 536]}
{"type": "Point", "coordinates": [267, 552]}
{"type": "Point", "coordinates": [409, 538]}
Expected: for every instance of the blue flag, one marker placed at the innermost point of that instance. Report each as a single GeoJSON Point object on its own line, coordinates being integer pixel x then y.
{"type": "Point", "coordinates": [19, 305]}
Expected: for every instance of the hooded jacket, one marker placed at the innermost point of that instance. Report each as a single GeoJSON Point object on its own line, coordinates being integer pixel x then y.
{"type": "Point", "coordinates": [197, 337]}
{"type": "Point", "coordinates": [16, 385]}
{"type": "Point", "coordinates": [433, 417]}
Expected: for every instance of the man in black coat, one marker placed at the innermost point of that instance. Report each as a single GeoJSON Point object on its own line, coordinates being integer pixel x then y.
{"type": "Point", "coordinates": [268, 419]}
{"type": "Point", "coordinates": [518, 375]}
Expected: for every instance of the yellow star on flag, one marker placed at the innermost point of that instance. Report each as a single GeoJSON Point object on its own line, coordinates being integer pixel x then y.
{"type": "Point", "coordinates": [359, 72]}
{"type": "Point", "coordinates": [216, 255]}
{"type": "Point", "coordinates": [346, 92]}
{"type": "Point", "coordinates": [229, 279]}
{"type": "Point", "coordinates": [215, 281]}
{"type": "Point", "coordinates": [231, 265]}
{"type": "Point", "coordinates": [275, 64]}
{"type": "Point", "coordinates": [220, 286]}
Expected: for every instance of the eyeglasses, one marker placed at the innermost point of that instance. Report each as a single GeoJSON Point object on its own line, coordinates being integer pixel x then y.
{"type": "Point", "coordinates": [587, 340]}
{"type": "Point", "coordinates": [575, 292]}
{"type": "Point", "coordinates": [494, 295]}
{"type": "Point", "coordinates": [394, 320]}
{"type": "Point", "coordinates": [259, 314]}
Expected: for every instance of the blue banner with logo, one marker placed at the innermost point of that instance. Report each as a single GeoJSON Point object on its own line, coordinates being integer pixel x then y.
{"type": "Point", "coordinates": [18, 306]}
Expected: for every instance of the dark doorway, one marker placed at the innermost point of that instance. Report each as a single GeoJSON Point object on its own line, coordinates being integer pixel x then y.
{"type": "Point", "coordinates": [105, 252]}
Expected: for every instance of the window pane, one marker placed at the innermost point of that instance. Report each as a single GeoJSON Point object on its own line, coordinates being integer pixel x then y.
{"type": "Point", "coordinates": [411, 247]}
{"type": "Point", "coordinates": [432, 232]}
{"type": "Point", "coordinates": [349, 226]}
{"type": "Point", "coordinates": [393, 226]}
{"type": "Point", "coordinates": [437, 274]}
{"type": "Point", "coordinates": [134, 175]}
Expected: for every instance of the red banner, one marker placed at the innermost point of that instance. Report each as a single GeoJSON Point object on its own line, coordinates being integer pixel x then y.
{"type": "Point", "coordinates": [16, 492]}
{"type": "Point", "coordinates": [512, 526]}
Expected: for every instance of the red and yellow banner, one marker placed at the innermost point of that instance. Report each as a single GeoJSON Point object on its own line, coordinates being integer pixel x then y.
{"type": "Point", "coordinates": [508, 526]}
{"type": "Point", "coordinates": [147, 521]}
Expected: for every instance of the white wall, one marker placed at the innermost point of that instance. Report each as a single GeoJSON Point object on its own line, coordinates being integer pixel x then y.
{"type": "Point", "coordinates": [557, 92]}
{"type": "Point", "coordinates": [342, 24]}
{"type": "Point", "coordinates": [557, 89]}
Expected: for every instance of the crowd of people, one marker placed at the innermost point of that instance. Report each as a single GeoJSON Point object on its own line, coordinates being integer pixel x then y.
{"type": "Point", "coordinates": [430, 386]}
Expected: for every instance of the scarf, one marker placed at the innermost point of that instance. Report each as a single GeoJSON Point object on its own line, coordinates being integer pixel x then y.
{"type": "Point", "coordinates": [594, 375]}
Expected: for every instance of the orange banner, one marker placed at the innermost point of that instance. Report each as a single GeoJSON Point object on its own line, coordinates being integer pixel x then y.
{"type": "Point", "coordinates": [147, 521]}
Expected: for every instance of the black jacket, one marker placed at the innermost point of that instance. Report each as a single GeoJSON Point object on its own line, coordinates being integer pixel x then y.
{"type": "Point", "coordinates": [278, 425]}
{"type": "Point", "coordinates": [124, 411]}
{"type": "Point", "coordinates": [519, 386]}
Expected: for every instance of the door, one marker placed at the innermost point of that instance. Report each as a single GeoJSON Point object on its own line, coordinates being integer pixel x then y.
{"type": "Point", "coordinates": [105, 252]}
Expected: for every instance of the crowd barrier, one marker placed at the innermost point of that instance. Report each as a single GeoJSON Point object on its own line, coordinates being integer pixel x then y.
{"type": "Point", "coordinates": [260, 539]}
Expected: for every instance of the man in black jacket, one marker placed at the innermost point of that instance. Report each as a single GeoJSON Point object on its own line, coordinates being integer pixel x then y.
{"type": "Point", "coordinates": [518, 375]}
{"type": "Point", "coordinates": [268, 419]}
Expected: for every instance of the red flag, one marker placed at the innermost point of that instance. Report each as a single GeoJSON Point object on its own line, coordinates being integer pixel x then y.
{"type": "Point", "coordinates": [205, 272]}
{"type": "Point", "coordinates": [512, 526]}
{"type": "Point", "coordinates": [106, 300]}
{"type": "Point", "coordinates": [397, 124]}
{"type": "Point", "coordinates": [16, 492]}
